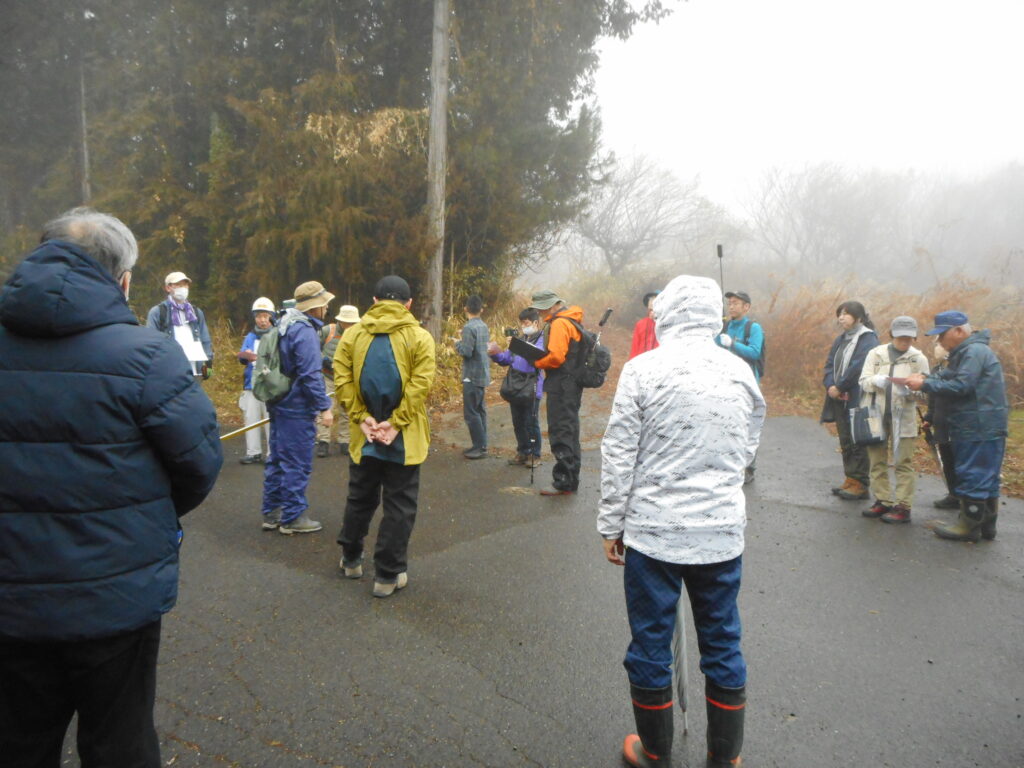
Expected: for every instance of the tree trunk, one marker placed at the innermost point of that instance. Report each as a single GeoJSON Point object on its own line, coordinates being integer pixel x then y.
{"type": "Point", "coordinates": [437, 163]}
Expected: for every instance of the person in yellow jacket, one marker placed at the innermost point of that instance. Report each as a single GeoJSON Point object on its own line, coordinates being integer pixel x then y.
{"type": "Point", "coordinates": [383, 370]}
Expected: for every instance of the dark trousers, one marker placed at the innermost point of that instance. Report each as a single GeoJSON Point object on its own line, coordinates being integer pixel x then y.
{"type": "Point", "coordinates": [945, 451]}
{"type": "Point", "coordinates": [977, 465]}
{"type": "Point", "coordinates": [526, 424]}
{"type": "Point", "coordinates": [400, 485]}
{"type": "Point", "coordinates": [110, 682]}
{"type": "Point", "coordinates": [855, 457]}
{"type": "Point", "coordinates": [564, 400]}
{"type": "Point", "coordinates": [286, 475]}
{"type": "Point", "coordinates": [474, 411]}
{"type": "Point", "coordinates": [652, 593]}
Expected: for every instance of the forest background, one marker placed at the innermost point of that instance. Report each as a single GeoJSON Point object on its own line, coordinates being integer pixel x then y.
{"type": "Point", "coordinates": [256, 144]}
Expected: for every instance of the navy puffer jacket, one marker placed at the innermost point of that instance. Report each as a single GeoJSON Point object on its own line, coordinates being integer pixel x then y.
{"type": "Point", "coordinates": [105, 440]}
{"type": "Point", "coordinates": [971, 391]}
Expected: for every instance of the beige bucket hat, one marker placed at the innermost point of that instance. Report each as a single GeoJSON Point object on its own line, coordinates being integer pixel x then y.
{"type": "Point", "coordinates": [312, 295]}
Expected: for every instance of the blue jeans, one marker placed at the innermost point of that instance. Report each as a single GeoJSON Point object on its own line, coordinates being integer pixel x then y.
{"type": "Point", "coordinates": [977, 465]}
{"type": "Point", "coordinates": [474, 412]}
{"type": "Point", "coordinates": [652, 592]}
{"type": "Point", "coordinates": [286, 475]}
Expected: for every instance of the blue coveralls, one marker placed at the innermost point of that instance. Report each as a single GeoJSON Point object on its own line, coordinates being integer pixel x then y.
{"type": "Point", "coordinates": [293, 421]}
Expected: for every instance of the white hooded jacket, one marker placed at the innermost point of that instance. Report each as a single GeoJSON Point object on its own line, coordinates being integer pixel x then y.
{"type": "Point", "coordinates": [685, 423]}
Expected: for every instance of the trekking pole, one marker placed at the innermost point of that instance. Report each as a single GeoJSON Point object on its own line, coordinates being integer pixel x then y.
{"type": "Point", "coordinates": [533, 457]}
{"type": "Point", "coordinates": [604, 319]}
{"type": "Point", "coordinates": [679, 659]}
{"type": "Point", "coordinates": [721, 281]}
{"type": "Point", "coordinates": [255, 424]}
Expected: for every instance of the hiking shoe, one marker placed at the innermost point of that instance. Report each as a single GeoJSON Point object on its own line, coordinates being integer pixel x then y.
{"type": "Point", "coordinates": [386, 589]}
{"type": "Point", "coordinates": [351, 570]}
{"type": "Point", "coordinates": [854, 492]}
{"type": "Point", "coordinates": [343, 448]}
{"type": "Point", "coordinates": [877, 510]}
{"type": "Point", "coordinates": [255, 458]}
{"type": "Point", "coordinates": [949, 501]}
{"type": "Point", "coordinates": [475, 453]}
{"type": "Point", "coordinates": [846, 484]}
{"type": "Point", "coordinates": [556, 492]}
{"type": "Point", "coordinates": [323, 449]}
{"type": "Point", "coordinates": [520, 458]}
{"type": "Point", "coordinates": [271, 521]}
{"type": "Point", "coordinates": [532, 462]}
{"type": "Point", "coordinates": [898, 514]}
{"type": "Point", "coordinates": [301, 524]}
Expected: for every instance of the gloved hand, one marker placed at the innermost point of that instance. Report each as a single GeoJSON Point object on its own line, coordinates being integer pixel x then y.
{"type": "Point", "coordinates": [207, 371]}
{"type": "Point", "coordinates": [879, 381]}
{"type": "Point", "coordinates": [725, 340]}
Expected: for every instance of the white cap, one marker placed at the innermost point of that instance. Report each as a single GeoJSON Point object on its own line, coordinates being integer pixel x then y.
{"type": "Point", "coordinates": [176, 277]}
{"type": "Point", "coordinates": [263, 304]}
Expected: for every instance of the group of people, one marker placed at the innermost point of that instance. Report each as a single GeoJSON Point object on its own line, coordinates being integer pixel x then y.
{"type": "Point", "coordinates": [874, 394]}
{"type": "Point", "coordinates": [89, 554]}
{"type": "Point", "coordinates": [554, 329]}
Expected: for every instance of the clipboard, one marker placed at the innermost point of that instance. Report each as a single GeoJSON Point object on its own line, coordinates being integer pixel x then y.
{"type": "Point", "coordinates": [525, 350]}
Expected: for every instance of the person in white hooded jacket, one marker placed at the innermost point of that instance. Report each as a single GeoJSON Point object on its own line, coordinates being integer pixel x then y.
{"type": "Point", "coordinates": [685, 423]}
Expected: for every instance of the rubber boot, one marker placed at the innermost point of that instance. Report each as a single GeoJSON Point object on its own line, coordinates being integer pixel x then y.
{"type": "Point", "coordinates": [726, 707]}
{"type": "Point", "coordinates": [988, 527]}
{"type": "Point", "coordinates": [949, 501]}
{"type": "Point", "coordinates": [651, 745]}
{"type": "Point", "coordinates": [968, 524]}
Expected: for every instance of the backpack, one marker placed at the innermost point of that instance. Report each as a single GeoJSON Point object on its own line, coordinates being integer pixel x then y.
{"type": "Point", "coordinates": [269, 382]}
{"type": "Point", "coordinates": [593, 358]}
{"type": "Point", "coordinates": [759, 364]}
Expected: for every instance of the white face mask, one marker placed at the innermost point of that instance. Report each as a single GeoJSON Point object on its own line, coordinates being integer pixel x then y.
{"type": "Point", "coordinates": [180, 294]}
{"type": "Point", "coordinates": [528, 330]}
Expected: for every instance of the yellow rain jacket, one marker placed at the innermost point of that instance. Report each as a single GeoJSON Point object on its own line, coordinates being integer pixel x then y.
{"type": "Point", "coordinates": [413, 348]}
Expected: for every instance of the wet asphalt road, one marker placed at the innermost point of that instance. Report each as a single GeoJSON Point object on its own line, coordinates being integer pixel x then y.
{"type": "Point", "coordinates": [868, 645]}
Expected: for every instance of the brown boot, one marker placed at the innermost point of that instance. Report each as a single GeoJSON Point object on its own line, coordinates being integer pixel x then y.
{"type": "Point", "coordinates": [843, 487]}
{"type": "Point", "coordinates": [855, 491]}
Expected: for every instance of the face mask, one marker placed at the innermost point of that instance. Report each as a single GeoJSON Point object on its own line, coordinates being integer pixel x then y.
{"type": "Point", "coordinates": [528, 330]}
{"type": "Point", "coordinates": [180, 294]}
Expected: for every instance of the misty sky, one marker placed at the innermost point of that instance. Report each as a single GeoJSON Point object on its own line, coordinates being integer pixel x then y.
{"type": "Point", "coordinates": [728, 88]}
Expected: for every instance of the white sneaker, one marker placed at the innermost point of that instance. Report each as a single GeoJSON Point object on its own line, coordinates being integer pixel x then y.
{"type": "Point", "coordinates": [301, 524]}
{"type": "Point", "coordinates": [386, 590]}
{"type": "Point", "coordinates": [351, 572]}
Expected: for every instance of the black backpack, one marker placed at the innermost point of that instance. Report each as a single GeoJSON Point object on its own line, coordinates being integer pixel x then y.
{"type": "Point", "coordinates": [593, 359]}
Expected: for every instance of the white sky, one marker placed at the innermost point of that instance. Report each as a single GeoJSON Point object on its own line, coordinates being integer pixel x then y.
{"type": "Point", "coordinates": [728, 88]}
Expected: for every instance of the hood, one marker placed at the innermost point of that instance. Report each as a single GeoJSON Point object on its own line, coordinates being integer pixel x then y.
{"type": "Point", "coordinates": [573, 313]}
{"type": "Point", "coordinates": [689, 306]}
{"type": "Point", "coordinates": [978, 337]}
{"type": "Point", "coordinates": [59, 290]}
{"type": "Point", "coordinates": [387, 317]}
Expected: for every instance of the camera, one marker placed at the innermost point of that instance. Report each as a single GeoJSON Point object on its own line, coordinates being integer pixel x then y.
{"type": "Point", "coordinates": [512, 332]}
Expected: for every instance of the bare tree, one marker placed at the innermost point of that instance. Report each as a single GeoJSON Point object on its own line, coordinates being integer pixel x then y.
{"type": "Point", "coordinates": [639, 208]}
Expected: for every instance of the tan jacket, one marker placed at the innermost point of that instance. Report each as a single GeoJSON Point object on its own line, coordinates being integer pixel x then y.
{"type": "Point", "coordinates": [414, 355]}
{"type": "Point", "coordinates": [904, 415]}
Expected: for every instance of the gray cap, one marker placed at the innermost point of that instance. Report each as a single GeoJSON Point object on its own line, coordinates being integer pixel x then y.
{"type": "Point", "coordinates": [545, 299]}
{"type": "Point", "coordinates": [904, 325]}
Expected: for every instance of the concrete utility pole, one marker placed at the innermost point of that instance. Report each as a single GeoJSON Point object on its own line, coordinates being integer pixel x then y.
{"type": "Point", "coordinates": [437, 165]}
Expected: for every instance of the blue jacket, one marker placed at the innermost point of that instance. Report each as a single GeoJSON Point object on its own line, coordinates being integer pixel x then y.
{"type": "Point", "coordinates": [105, 440]}
{"type": "Point", "coordinates": [751, 351]}
{"type": "Point", "coordinates": [972, 391]}
{"type": "Point", "coordinates": [849, 382]}
{"type": "Point", "coordinates": [248, 345]}
{"type": "Point", "coordinates": [301, 361]}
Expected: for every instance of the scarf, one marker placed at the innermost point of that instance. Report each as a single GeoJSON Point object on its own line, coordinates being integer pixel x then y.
{"type": "Point", "coordinates": [182, 313]}
{"type": "Point", "coordinates": [845, 353]}
{"type": "Point", "coordinates": [261, 331]}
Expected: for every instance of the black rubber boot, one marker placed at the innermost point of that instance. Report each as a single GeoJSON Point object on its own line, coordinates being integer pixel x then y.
{"type": "Point", "coordinates": [988, 528]}
{"type": "Point", "coordinates": [968, 525]}
{"type": "Point", "coordinates": [726, 707]}
{"type": "Point", "coordinates": [651, 745]}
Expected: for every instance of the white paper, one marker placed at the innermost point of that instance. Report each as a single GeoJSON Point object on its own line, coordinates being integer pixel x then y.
{"type": "Point", "coordinates": [193, 349]}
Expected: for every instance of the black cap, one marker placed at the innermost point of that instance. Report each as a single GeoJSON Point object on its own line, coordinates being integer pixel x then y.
{"type": "Point", "coordinates": [392, 287]}
{"type": "Point", "coordinates": [741, 295]}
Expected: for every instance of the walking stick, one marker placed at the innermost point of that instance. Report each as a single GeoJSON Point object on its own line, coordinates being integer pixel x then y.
{"type": "Point", "coordinates": [255, 424]}
{"type": "Point", "coordinates": [679, 659]}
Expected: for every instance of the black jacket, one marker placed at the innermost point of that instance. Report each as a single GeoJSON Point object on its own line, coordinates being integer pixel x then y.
{"type": "Point", "coordinates": [850, 380]}
{"type": "Point", "coordinates": [105, 440]}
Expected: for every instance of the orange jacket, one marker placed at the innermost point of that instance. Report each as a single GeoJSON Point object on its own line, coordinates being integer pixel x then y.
{"type": "Point", "coordinates": [559, 336]}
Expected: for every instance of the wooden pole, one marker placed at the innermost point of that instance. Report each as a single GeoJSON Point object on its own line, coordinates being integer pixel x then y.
{"type": "Point", "coordinates": [437, 165]}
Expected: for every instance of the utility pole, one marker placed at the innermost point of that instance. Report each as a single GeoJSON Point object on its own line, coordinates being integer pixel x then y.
{"type": "Point", "coordinates": [437, 165]}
